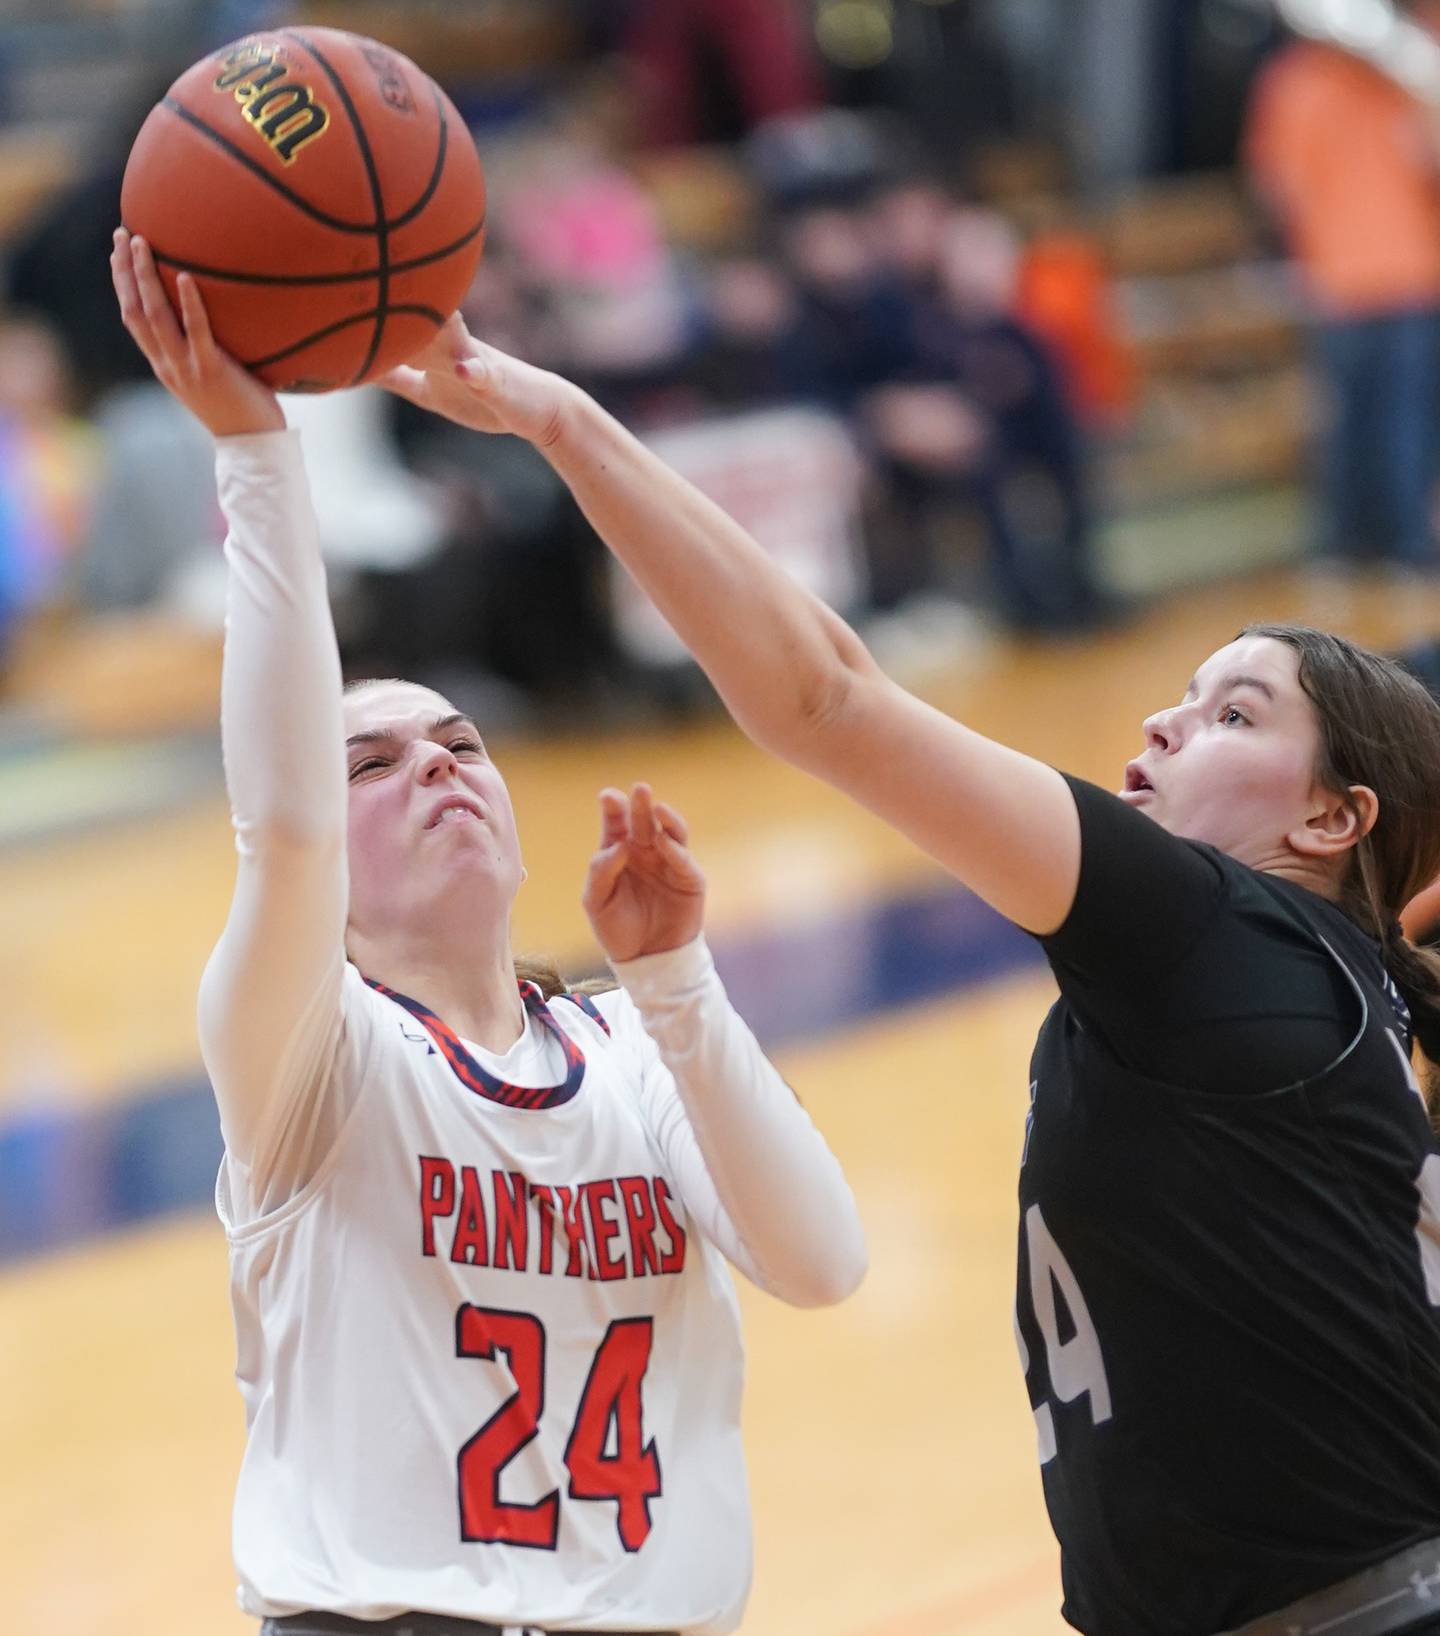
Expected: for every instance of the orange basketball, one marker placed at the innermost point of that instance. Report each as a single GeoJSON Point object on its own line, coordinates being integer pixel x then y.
{"type": "Point", "coordinates": [325, 194]}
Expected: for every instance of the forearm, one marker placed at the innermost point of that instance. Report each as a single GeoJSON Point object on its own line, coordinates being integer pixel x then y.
{"type": "Point", "coordinates": [269, 1010]}
{"type": "Point", "coordinates": [281, 724]}
{"type": "Point", "coordinates": [779, 658]}
{"type": "Point", "coordinates": [777, 1181]}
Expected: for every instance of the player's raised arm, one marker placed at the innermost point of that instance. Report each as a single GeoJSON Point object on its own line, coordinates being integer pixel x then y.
{"type": "Point", "coordinates": [793, 674]}
{"type": "Point", "coordinates": [752, 1168]}
{"type": "Point", "coordinates": [269, 1000]}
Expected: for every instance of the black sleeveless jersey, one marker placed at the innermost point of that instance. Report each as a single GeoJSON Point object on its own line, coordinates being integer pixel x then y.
{"type": "Point", "coordinates": [1229, 1243]}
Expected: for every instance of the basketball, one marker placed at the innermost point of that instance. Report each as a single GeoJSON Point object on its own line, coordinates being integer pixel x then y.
{"type": "Point", "coordinates": [324, 193]}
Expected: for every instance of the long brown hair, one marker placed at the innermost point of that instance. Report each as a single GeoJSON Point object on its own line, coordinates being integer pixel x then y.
{"type": "Point", "coordinates": [1380, 727]}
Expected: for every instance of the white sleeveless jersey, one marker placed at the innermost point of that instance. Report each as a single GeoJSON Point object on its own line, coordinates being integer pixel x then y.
{"type": "Point", "coordinates": [491, 1366]}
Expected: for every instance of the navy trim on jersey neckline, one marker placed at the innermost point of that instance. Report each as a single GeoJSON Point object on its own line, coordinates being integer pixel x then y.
{"type": "Point", "coordinates": [475, 1077]}
{"type": "Point", "coordinates": [591, 1010]}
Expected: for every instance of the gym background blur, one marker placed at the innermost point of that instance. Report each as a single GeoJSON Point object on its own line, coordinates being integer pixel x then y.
{"type": "Point", "coordinates": [1034, 346]}
{"type": "Point", "coordinates": [1038, 336]}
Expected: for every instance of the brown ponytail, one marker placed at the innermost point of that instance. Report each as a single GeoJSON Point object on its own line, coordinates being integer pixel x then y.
{"type": "Point", "coordinates": [530, 969]}
{"type": "Point", "coordinates": [1416, 973]}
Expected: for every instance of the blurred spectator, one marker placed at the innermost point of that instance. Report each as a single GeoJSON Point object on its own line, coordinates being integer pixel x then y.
{"type": "Point", "coordinates": [156, 511]}
{"type": "Point", "coordinates": [710, 70]}
{"type": "Point", "coordinates": [487, 603]}
{"type": "Point", "coordinates": [825, 155]}
{"type": "Point", "coordinates": [58, 263]}
{"type": "Point", "coordinates": [588, 242]}
{"type": "Point", "coordinates": [851, 324]}
{"type": "Point", "coordinates": [1062, 297]}
{"type": "Point", "coordinates": [907, 220]}
{"type": "Point", "coordinates": [750, 307]}
{"type": "Point", "coordinates": [981, 415]}
{"type": "Point", "coordinates": [47, 471]}
{"type": "Point", "coordinates": [1350, 165]}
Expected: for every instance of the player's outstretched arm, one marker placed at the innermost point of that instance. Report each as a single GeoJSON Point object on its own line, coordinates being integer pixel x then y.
{"type": "Point", "coordinates": [793, 674]}
{"type": "Point", "coordinates": [269, 1000]}
{"type": "Point", "coordinates": [752, 1169]}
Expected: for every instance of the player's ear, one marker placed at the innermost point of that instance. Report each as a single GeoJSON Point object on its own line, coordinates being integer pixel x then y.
{"type": "Point", "coordinates": [1336, 821]}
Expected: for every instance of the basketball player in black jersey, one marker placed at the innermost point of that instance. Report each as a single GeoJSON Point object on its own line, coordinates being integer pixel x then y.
{"type": "Point", "coordinates": [1230, 1234]}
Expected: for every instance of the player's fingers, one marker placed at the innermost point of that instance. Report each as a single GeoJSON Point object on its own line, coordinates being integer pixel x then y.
{"type": "Point", "coordinates": [606, 868]}
{"type": "Point", "coordinates": [614, 818]}
{"type": "Point", "coordinates": [476, 372]}
{"type": "Point", "coordinates": [407, 382]}
{"type": "Point", "coordinates": [122, 275]}
{"type": "Point", "coordinates": [454, 337]}
{"type": "Point", "coordinates": [672, 823]}
{"type": "Point", "coordinates": [196, 320]}
{"type": "Point", "coordinates": [164, 325]}
{"type": "Point", "coordinates": [127, 292]}
{"type": "Point", "coordinates": [642, 815]}
{"type": "Point", "coordinates": [680, 863]}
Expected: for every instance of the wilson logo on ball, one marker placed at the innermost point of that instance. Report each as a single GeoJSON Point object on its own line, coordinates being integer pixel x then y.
{"type": "Point", "coordinates": [282, 110]}
{"type": "Point", "coordinates": [328, 271]}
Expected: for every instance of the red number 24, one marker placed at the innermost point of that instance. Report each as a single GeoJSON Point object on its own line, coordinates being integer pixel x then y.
{"type": "Point", "coordinates": [630, 1476]}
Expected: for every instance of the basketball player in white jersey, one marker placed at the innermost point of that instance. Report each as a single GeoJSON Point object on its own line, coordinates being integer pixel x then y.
{"type": "Point", "coordinates": [488, 1343]}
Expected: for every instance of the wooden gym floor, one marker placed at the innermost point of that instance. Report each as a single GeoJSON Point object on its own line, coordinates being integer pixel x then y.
{"type": "Point", "coordinates": [891, 1446]}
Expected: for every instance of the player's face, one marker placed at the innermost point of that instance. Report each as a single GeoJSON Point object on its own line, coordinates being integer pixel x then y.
{"type": "Point", "coordinates": [429, 811]}
{"type": "Point", "coordinates": [1233, 763]}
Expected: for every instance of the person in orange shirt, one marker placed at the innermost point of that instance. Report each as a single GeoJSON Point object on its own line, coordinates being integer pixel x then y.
{"type": "Point", "coordinates": [1350, 164]}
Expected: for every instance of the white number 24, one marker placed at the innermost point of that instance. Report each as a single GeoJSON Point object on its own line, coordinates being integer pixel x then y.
{"type": "Point", "coordinates": [1076, 1366]}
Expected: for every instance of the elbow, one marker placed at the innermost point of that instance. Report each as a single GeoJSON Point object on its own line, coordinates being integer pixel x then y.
{"type": "Point", "coordinates": [830, 1278]}
{"type": "Point", "coordinates": [800, 723]}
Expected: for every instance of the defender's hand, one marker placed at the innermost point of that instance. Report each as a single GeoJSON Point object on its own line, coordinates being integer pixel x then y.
{"type": "Point", "coordinates": [213, 387]}
{"type": "Point", "coordinates": [483, 388]}
{"type": "Point", "coordinates": [644, 893]}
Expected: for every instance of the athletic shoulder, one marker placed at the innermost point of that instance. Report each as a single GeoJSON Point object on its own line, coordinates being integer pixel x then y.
{"type": "Point", "coordinates": [1143, 895]}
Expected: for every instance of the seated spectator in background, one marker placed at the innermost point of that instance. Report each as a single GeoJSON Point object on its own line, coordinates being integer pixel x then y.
{"type": "Point", "coordinates": [48, 462]}
{"type": "Point", "coordinates": [588, 239]}
{"type": "Point", "coordinates": [980, 413]}
{"type": "Point", "coordinates": [850, 326]}
{"type": "Point", "coordinates": [906, 222]}
{"type": "Point", "coordinates": [481, 621]}
{"type": "Point", "coordinates": [1349, 163]}
{"type": "Point", "coordinates": [749, 309]}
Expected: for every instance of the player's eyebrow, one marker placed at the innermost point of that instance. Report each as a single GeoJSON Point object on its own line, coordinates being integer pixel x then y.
{"type": "Point", "coordinates": [1238, 679]}
{"type": "Point", "coordinates": [385, 735]}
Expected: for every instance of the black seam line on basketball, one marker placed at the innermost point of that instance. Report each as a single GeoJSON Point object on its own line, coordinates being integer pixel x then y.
{"type": "Point", "coordinates": [436, 318]}
{"type": "Point", "coordinates": [377, 197]}
{"type": "Point", "coordinates": [224, 275]}
{"type": "Point", "coordinates": [302, 204]}
{"type": "Point", "coordinates": [257, 169]}
{"type": "Point", "coordinates": [441, 147]}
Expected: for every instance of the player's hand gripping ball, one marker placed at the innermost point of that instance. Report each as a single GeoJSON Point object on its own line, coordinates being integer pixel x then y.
{"type": "Point", "coordinates": [324, 193]}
